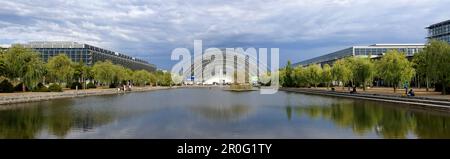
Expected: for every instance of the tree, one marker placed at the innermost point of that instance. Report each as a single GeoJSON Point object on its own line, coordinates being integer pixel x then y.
{"type": "Point", "coordinates": [61, 67]}
{"type": "Point", "coordinates": [395, 68]}
{"type": "Point", "coordinates": [421, 67]}
{"type": "Point", "coordinates": [22, 65]}
{"type": "Point", "coordinates": [314, 74]}
{"type": "Point", "coordinates": [436, 62]}
{"type": "Point", "coordinates": [120, 74]}
{"type": "Point", "coordinates": [141, 77]}
{"type": "Point", "coordinates": [299, 76]}
{"type": "Point", "coordinates": [104, 72]}
{"type": "Point", "coordinates": [288, 82]}
{"type": "Point", "coordinates": [341, 71]}
{"type": "Point", "coordinates": [82, 72]}
{"type": "Point", "coordinates": [363, 70]}
{"type": "Point", "coordinates": [327, 76]}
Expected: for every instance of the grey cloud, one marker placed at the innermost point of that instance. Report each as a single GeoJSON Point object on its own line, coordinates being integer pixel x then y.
{"type": "Point", "coordinates": [153, 28]}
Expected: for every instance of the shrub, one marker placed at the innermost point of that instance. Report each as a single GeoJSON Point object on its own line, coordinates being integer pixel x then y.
{"type": "Point", "coordinates": [75, 84]}
{"type": "Point", "coordinates": [6, 87]}
{"type": "Point", "coordinates": [40, 88]}
{"type": "Point", "coordinates": [91, 85]}
{"type": "Point", "coordinates": [113, 85]}
{"type": "Point", "coordinates": [438, 88]}
{"type": "Point", "coordinates": [18, 88]}
{"type": "Point", "coordinates": [54, 88]}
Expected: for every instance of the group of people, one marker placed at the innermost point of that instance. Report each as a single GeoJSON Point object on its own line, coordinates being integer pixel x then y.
{"type": "Point", "coordinates": [409, 93]}
{"type": "Point", "coordinates": [124, 88]}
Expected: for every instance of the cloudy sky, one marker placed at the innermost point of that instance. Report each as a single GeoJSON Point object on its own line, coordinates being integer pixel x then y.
{"type": "Point", "coordinates": [152, 29]}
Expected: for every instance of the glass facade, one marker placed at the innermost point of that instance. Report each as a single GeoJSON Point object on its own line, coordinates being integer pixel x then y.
{"type": "Point", "coordinates": [375, 51]}
{"type": "Point", "coordinates": [88, 54]}
{"type": "Point", "coordinates": [440, 31]}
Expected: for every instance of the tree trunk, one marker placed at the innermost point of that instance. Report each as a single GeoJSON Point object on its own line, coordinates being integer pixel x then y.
{"type": "Point", "coordinates": [23, 87]}
{"type": "Point", "coordinates": [444, 85]}
{"type": "Point", "coordinates": [418, 82]}
{"type": "Point", "coordinates": [395, 89]}
{"type": "Point", "coordinates": [428, 83]}
{"type": "Point", "coordinates": [364, 86]}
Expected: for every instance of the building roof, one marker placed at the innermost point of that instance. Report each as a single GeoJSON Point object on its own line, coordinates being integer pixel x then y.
{"type": "Point", "coordinates": [406, 44]}
{"type": "Point", "coordinates": [447, 22]}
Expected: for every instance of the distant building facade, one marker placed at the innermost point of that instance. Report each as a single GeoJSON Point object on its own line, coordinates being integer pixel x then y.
{"type": "Point", "coordinates": [87, 54]}
{"type": "Point", "coordinates": [439, 31]}
{"type": "Point", "coordinates": [375, 51]}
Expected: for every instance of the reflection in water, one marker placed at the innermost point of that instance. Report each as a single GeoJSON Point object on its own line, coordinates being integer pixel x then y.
{"type": "Point", "coordinates": [26, 122]}
{"type": "Point", "coordinates": [223, 113]}
{"type": "Point", "coordinates": [213, 113]}
{"type": "Point", "coordinates": [21, 123]}
{"type": "Point", "coordinates": [364, 117]}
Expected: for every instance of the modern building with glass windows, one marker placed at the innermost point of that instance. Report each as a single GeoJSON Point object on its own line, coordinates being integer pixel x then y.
{"type": "Point", "coordinates": [439, 31]}
{"type": "Point", "coordinates": [87, 54]}
{"type": "Point", "coordinates": [375, 51]}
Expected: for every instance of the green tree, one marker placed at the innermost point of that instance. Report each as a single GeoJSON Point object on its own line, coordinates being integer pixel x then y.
{"type": "Point", "coordinates": [327, 76]}
{"type": "Point", "coordinates": [288, 82]}
{"type": "Point", "coordinates": [82, 73]}
{"type": "Point", "coordinates": [435, 62]}
{"type": "Point", "coordinates": [363, 70]}
{"type": "Point", "coordinates": [141, 77]}
{"type": "Point", "coordinates": [120, 74]}
{"type": "Point", "coordinates": [313, 74]}
{"type": "Point", "coordinates": [104, 72]}
{"type": "Point", "coordinates": [299, 76]}
{"type": "Point", "coordinates": [395, 68]}
{"type": "Point", "coordinates": [421, 67]}
{"type": "Point", "coordinates": [61, 67]}
{"type": "Point", "coordinates": [22, 65]}
{"type": "Point", "coordinates": [341, 71]}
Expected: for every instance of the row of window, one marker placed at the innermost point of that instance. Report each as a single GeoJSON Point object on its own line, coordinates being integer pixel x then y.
{"type": "Point", "coordinates": [124, 62]}
{"type": "Point", "coordinates": [89, 57]}
{"type": "Point", "coordinates": [444, 38]}
{"type": "Point", "coordinates": [439, 30]}
{"type": "Point", "coordinates": [380, 51]}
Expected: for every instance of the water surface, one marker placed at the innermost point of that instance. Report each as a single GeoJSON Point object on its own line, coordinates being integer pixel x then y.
{"type": "Point", "coordinates": [214, 113]}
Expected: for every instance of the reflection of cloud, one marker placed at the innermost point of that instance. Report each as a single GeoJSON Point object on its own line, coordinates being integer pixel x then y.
{"type": "Point", "coordinates": [222, 113]}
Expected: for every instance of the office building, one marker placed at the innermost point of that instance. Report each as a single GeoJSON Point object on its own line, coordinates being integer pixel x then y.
{"type": "Point", "coordinates": [439, 31]}
{"type": "Point", "coordinates": [88, 54]}
{"type": "Point", "coordinates": [375, 51]}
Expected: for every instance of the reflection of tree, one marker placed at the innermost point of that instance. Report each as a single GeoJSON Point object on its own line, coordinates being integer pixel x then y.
{"type": "Point", "coordinates": [289, 112]}
{"type": "Point", "coordinates": [429, 126]}
{"type": "Point", "coordinates": [60, 116]}
{"type": "Point", "coordinates": [225, 113]}
{"type": "Point", "coordinates": [21, 123]}
{"type": "Point", "coordinates": [60, 120]}
{"type": "Point", "coordinates": [396, 124]}
{"type": "Point", "coordinates": [87, 119]}
{"type": "Point", "coordinates": [364, 117]}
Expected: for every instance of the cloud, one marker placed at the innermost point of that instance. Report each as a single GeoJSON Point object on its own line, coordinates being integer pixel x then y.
{"type": "Point", "coordinates": [152, 29]}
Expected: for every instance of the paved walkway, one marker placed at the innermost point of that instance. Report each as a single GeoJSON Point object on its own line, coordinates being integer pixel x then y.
{"type": "Point", "coordinates": [390, 91]}
{"type": "Point", "coordinates": [9, 98]}
{"type": "Point", "coordinates": [416, 102]}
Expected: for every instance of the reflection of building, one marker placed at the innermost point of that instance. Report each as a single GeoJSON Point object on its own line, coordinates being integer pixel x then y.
{"type": "Point", "coordinates": [88, 54]}
{"type": "Point", "coordinates": [439, 31]}
{"type": "Point", "coordinates": [375, 51]}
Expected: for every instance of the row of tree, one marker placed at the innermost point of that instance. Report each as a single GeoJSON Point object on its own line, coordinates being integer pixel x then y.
{"type": "Point", "coordinates": [24, 66]}
{"type": "Point", "coordinates": [393, 69]}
